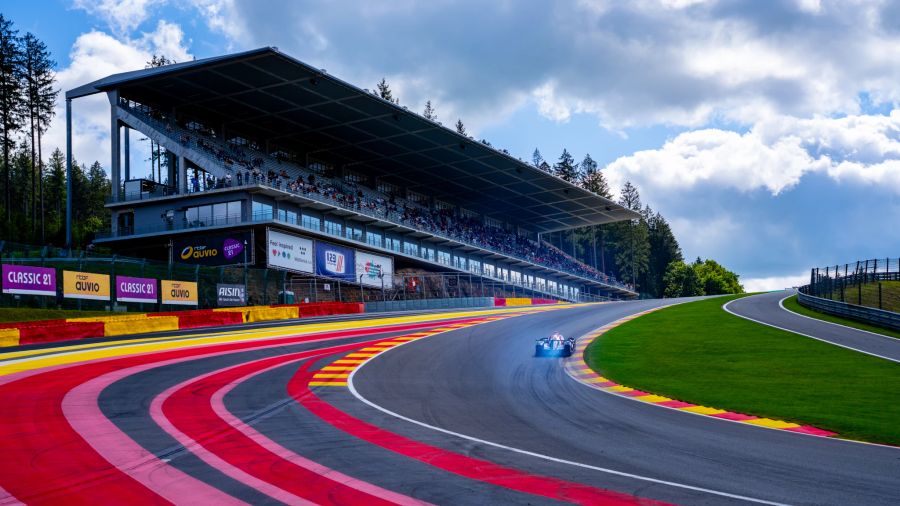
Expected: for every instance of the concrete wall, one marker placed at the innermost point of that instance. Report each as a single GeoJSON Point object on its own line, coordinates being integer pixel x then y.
{"type": "Point", "coordinates": [425, 304]}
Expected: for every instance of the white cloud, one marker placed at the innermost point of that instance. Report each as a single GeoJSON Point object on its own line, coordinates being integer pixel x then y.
{"type": "Point", "coordinates": [773, 155]}
{"type": "Point", "coordinates": [122, 16]}
{"type": "Point", "coordinates": [771, 283]}
{"type": "Point", "coordinates": [95, 55]}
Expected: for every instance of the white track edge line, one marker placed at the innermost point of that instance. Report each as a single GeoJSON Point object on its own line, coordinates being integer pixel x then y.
{"type": "Point", "coordinates": [781, 304]}
{"type": "Point", "coordinates": [362, 399]}
{"type": "Point", "coordinates": [725, 307]}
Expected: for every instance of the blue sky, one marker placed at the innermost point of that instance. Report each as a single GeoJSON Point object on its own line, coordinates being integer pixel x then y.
{"type": "Point", "coordinates": [765, 132]}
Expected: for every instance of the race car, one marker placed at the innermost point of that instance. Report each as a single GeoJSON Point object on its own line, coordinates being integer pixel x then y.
{"type": "Point", "coordinates": [554, 346]}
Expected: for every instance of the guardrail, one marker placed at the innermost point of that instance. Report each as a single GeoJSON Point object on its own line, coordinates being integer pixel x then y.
{"type": "Point", "coordinates": [879, 317]}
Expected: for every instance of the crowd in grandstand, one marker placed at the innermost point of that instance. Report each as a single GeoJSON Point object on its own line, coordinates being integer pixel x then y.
{"type": "Point", "coordinates": [251, 168]}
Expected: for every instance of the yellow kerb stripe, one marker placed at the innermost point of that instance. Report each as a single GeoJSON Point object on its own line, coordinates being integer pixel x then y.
{"type": "Point", "coordinates": [323, 375]}
{"type": "Point", "coordinates": [327, 383]}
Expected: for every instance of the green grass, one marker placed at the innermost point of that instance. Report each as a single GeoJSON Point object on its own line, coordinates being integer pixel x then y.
{"type": "Point", "coordinates": [8, 314]}
{"type": "Point", "coordinates": [791, 304]}
{"type": "Point", "coordinates": [867, 295]}
{"type": "Point", "coordinates": [698, 353]}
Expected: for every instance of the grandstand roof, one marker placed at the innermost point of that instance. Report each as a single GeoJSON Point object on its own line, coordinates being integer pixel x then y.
{"type": "Point", "coordinates": [267, 95]}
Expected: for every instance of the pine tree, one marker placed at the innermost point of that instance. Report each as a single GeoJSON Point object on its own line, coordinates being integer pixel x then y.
{"type": "Point", "coordinates": [384, 91]}
{"type": "Point", "coordinates": [10, 103]}
{"type": "Point", "coordinates": [544, 166]}
{"type": "Point", "coordinates": [39, 98]}
{"type": "Point", "coordinates": [429, 112]}
{"type": "Point", "coordinates": [55, 187]}
{"type": "Point", "coordinates": [664, 250]}
{"type": "Point", "coordinates": [632, 239]}
{"type": "Point", "coordinates": [566, 168]}
{"type": "Point", "coordinates": [460, 128]}
{"type": "Point", "coordinates": [536, 158]}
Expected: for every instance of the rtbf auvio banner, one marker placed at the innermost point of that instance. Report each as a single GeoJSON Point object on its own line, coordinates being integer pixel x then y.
{"type": "Point", "coordinates": [219, 249]}
{"type": "Point", "coordinates": [28, 280]}
{"type": "Point", "coordinates": [130, 289]}
{"type": "Point", "coordinates": [335, 261]}
{"type": "Point", "coordinates": [85, 285]}
{"type": "Point", "coordinates": [182, 293]}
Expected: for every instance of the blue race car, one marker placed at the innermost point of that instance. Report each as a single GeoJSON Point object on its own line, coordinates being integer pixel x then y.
{"type": "Point", "coordinates": [554, 346]}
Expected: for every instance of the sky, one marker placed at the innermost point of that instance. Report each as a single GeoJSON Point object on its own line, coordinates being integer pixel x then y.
{"type": "Point", "coordinates": [767, 133]}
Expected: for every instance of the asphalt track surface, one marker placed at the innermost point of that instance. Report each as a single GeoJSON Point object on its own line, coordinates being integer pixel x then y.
{"type": "Point", "coordinates": [232, 418]}
{"type": "Point", "coordinates": [766, 308]}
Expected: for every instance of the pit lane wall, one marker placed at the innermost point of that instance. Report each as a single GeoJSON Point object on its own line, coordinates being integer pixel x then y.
{"type": "Point", "coordinates": [45, 331]}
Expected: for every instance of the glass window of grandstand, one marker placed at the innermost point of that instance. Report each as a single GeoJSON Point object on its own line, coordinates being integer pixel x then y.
{"type": "Point", "coordinates": [475, 266]}
{"type": "Point", "coordinates": [392, 243]}
{"type": "Point", "coordinates": [262, 211]}
{"type": "Point", "coordinates": [443, 206]}
{"type": "Point", "coordinates": [387, 188]}
{"type": "Point", "coordinates": [333, 228]}
{"type": "Point", "coordinates": [459, 262]}
{"type": "Point", "coordinates": [493, 222]}
{"type": "Point", "coordinates": [411, 248]}
{"type": "Point", "coordinates": [354, 232]}
{"type": "Point", "coordinates": [288, 216]}
{"type": "Point", "coordinates": [374, 238]}
{"type": "Point", "coordinates": [443, 257]}
{"type": "Point", "coordinates": [428, 253]}
{"type": "Point", "coordinates": [213, 214]}
{"type": "Point", "coordinates": [416, 197]}
{"type": "Point", "coordinates": [311, 222]}
{"type": "Point", "coordinates": [354, 177]}
{"type": "Point", "coordinates": [502, 273]}
{"type": "Point", "coordinates": [516, 277]}
{"type": "Point", "coordinates": [541, 283]}
{"type": "Point", "coordinates": [489, 270]}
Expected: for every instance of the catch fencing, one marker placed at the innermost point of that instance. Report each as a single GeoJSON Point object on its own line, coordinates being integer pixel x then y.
{"type": "Point", "coordinates": [866, 290]}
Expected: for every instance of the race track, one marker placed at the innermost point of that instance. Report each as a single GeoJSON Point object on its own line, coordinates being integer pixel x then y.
{"type": "Point", "coordinates": [765, 308]}
{"type": "Point", "coordinates": [266, 415]}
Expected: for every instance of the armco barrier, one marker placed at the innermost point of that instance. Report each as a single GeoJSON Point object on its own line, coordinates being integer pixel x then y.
{"type": "Point", "coordinates": [140, 325]}
{"type": "Point", "coordinates": [428, 304]}
{"type": "Point", "coordinates": [518, 301]}
{"type": "Point", "coordinates": [877, 317]}
{"type": "Point", "coordinates": [58, 331]}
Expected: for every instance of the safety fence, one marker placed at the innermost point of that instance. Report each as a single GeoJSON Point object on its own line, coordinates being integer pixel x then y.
{"type": "Point", "coordinates": [866, 291]}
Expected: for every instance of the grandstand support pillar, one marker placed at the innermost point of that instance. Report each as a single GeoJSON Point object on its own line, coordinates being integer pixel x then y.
{"type": "Point", "coordinates": [127, 145]}
{"type": "Point", "coordinates": [182, 175]}
{"type": "Point", "coordinates": [69, 173]}
{"type": "Point", "coordinates": [115, 151]}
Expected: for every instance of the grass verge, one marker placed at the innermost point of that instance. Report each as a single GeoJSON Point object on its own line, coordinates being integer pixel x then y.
{"type": "Point", "coordinates": [9, 314]}
{"type": "Point", "coordinates": [791, 304]}
{"type": "Point", "coordinates": [698, 353]}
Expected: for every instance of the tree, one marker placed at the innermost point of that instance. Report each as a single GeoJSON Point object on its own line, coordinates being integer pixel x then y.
{"type": "Point", "coordinates": [680, 280]}
{"type": "Point", "coordinates": [55, 185]}
{"type": "Point", "coordinates": [544, 166]}
{"type": "Point", "coordinates": [158, 61]}
{"type": "Point", "coordinates": [664, 250]}
{"type": "Point", "coordinates": [39, 97]}
{"type": "Point", "coordinates": [536, 158]}
{"type": "Point", "coordinates": [716, 279]}
{"type": "Point", "coordinates": [565, 168]}
{"type": "Point", "coordinates": [10, 101]}
{"type": "Point", "coordinates": [384, 91]}
{"type": "Point", "coordinates": [429, 112]}
{"type": "Point", "coordinates": [460, 128]}
{"type": "Point", "coordinates": [632, 239]}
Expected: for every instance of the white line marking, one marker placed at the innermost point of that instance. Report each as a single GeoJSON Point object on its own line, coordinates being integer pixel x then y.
{"type": "Point", "coordinates": [781, 304]}
{"type": "Point", "coordinates": [533, 454]}
{"type": "Point", "coordinates": [725, 307]}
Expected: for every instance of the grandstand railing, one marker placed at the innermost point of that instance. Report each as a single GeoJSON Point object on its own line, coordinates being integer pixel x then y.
{"type": "Point", "coordinates": [262, 164]}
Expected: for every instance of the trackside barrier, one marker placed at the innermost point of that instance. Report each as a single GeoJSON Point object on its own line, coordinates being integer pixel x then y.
{"type": "Point", "coordinates": [44, 331]}
{"type": "Point", "coordinates": [427, 304]}
{"type": "Point", "coordinates": [523, 301]}
{"type": "Point", "coordinates": [877, 317]}
{"type": "Point", "coordinates": [9, 337]}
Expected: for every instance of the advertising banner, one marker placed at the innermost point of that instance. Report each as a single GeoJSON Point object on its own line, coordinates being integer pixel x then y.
{"type": "Point", "coordinates": [335, 261]}
{"type": "Point", "coordinates": [85, 285]}
{"type": "Point", "coordinates": [130, 289]}
{"type": "Point", "coordinates": [213, 250]}
{"type": "Point", "coordinates": [182, 293]}
{"type": "Point", "coordinates": [230, 295]}
{"type": "Point", "coordinates": [290, 252]}
{"type": "Point", "coordinates": [27, 280]}
{"type": "Point", "coordinates": [370, 269]}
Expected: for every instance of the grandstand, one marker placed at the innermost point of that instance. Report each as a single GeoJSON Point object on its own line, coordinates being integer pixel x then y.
{"type": "Point", "coordinates": [270, 161]}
